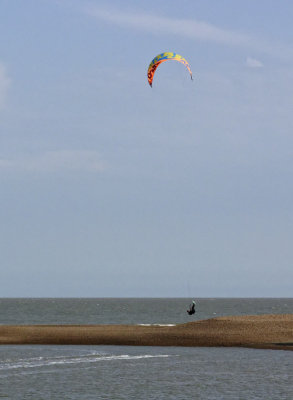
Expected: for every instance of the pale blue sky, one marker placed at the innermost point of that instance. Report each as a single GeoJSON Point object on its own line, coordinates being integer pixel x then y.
{"type": "Point", "coordinates": [111, 188]}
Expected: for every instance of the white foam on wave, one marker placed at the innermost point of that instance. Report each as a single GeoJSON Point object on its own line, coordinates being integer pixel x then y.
{"type": "Point", "coordinates": [37, 362]}
{"type": "Point", "coordinates": [156, 324]}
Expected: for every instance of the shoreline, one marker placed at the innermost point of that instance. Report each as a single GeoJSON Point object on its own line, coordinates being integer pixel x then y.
{"type": "Point", "coordinates": [269, 331]}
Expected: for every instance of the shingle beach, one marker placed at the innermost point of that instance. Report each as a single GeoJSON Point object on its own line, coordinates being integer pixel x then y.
{"type": "Point", "coordinates": [261, 331]}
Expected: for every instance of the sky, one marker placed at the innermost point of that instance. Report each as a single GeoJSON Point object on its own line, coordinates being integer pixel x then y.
{"type": "Point", "coordinates": [110, 188]}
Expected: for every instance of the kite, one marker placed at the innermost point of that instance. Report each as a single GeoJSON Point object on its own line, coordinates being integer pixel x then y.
{"type": "Point", "coordinates": [165, 57]}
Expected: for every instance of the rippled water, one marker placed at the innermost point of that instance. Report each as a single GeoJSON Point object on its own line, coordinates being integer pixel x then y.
{"type": "Point", "coordinates": [116, 372]}
{"type": "Point", "coordinates": [131, 311]}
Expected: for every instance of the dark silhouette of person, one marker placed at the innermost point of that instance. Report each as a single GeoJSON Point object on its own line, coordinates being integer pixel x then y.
{"type": "Point", "coordinates": [191, 310]}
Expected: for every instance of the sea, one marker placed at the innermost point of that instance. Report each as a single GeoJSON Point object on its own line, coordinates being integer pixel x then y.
{"type": "Point", "coordinates": [133, 372]}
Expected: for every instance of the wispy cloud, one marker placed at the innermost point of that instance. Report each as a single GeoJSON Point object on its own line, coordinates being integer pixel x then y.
{"type": "Point", "coordinates": [188, 28]}
{"type": "Point", "coordinates": [193, 29]}
{"type": "Point", "coordinates": [253, 63]}
{"type": "Point", "coordinates": [4, 84]}
{"type": "Point", "coordinates": [55, 161]}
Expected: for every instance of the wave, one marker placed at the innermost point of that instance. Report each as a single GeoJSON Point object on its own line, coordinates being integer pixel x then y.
{"type": "Point", "coordinates": [156, 324]}
{"type": "Point", "coordinates": [37, 362]}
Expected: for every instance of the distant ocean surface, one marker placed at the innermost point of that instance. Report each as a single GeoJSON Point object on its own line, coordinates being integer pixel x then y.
{"type": "Point", "coordinates": [116, 372]}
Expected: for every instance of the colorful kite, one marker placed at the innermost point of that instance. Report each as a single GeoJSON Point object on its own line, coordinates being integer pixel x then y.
{"type": "Point", "coordinates": [165, 57]}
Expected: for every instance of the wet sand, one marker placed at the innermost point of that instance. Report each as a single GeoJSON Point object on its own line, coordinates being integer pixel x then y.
{"type": "Point", "coordinates": [262, 331]}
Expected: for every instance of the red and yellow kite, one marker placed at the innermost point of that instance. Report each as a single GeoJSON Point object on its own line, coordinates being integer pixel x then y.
{"type": "Point", "coordinates": [165, 57]}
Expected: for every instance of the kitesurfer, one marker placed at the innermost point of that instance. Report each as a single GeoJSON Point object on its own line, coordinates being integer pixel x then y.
{"type": "Point", "coordinates": [191, 310]}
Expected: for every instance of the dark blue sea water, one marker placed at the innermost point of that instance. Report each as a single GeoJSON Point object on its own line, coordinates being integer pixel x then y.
{"type": "Point", "coordinates": [116, 372]}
